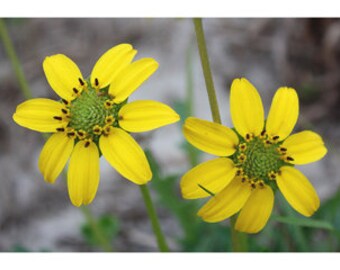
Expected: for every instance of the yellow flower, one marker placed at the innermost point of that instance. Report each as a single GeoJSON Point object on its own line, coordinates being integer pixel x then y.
{"type": "Point", "coordinates": [255, 159]}
{"type": "Point", "coordinates": [94, 118]}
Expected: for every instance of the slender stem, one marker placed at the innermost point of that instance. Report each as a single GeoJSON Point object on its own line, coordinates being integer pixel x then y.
{"type": "Point", "coordinates": [162, 245]}
{"type": "Point", "coordinates": [9, 48]}
{"type": "Point", "coordinates": [102, 241]}
{"type": "Point", "coordinates": [192, 152]}
{"type": "Point", "coordinates": [239, 240]}
{"type": "Point", "coordinates": [202, 48]}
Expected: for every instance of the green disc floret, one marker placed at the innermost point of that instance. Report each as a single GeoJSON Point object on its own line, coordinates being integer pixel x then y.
{"type": "Point", "coordinates": [89, 111]}
{"type": "Point", "coordinates": [258, 158]}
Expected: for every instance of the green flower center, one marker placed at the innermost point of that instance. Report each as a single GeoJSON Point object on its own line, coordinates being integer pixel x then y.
{"type": "Point", "coordinates": [91, 113]}
{"type": "Point", "coordinates": [259, 160]}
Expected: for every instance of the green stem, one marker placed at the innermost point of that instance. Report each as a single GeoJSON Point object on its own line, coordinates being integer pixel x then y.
{"type": "Point", "coordinates": [202, 48]}
{"type": "Point", "coordinates": [9, 48]}
{"type": "Point", "coordinates": [239, 240]}
{"type": "Point", "coordinates": [162, 245]}
{"type": "Point", "coordinates": [192, 152]}
{"type": "Point", "coordinates": [102, 241]}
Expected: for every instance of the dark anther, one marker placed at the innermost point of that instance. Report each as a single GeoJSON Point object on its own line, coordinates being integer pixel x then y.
{"type": "Point", "coordinates": [81, 134]}
{"type": "Point", "coordinates": [70, 134]}
{"type": "Point", "coordinates": [75, 90]}
{"type": "Point", "coordinates": [276, 137]}
{"type": "Point", "coordinates": [242, 147]}
{"type": "Point", "coordinates": [108, 103]}
{"type": "Point", "coordinates": [81, 82]}
{"type": "Point", "coordinates": [290, 159]}
{"type": "Point", "coordinates": [96, 83]}
{"type": "Point", "coordinates": [253, 185]}
{"type": "Point", "coordinates": [65, 101]}
{"type": "Point", "coordinates": [283, 149]}
{"type": "Point", "coordinates": [247, 136]}
{"type": "Point", "coordinates": [243, 179]}
{"type": "Point", "coordinates": [87, 144]}
{"type": "Point", "coordinates": [273, 176]}
{"type": "Point", "coordinates": [57, 118]}
{"type": "Point", "coordinates": [96, 130]}
{"type": "Point", "coordinates": [261, 184]}
{"type": "Point", "coordinates": [238, 172]}
{"type": "Point", "coordinates": [60, 129]}
{"type": "Point", "coordinates": [268, 142]}
{"type": "Point", "coordinates": [64, 111]}
{"type": "Point", "coordinates": [263, 132]}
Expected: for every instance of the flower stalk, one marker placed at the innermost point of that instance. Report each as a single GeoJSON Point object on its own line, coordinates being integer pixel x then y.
{"type": "Point", "coordinates": [161, 242]}
{"type": "Point", "coordinates": [239, 240]}
{"type": "Point", "coordinates": [209, 83]}
{"type": "Point", "coordinates": [10, 51]}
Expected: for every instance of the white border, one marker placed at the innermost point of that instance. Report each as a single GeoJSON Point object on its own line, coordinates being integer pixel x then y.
{"type": "Point", "coordinates": [169, 8]}
{"type": "Point", "coordinates": [171, 261]}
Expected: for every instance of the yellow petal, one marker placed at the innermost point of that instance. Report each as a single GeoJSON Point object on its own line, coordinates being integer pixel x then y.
{"type": "Point", "coordinates": [129, 79]}
{"type": "Point", "coordinates": [246, 108]}
{"type": "Point", "coordinates": [83, 173]}
{"type": "Point", "coordinates": [298, 191]}
{"type": "Point", "coordinates": [210, 137]}
{"type": "Point", "coordinates": [37, 114]}
{"type": "Point", "coordinates": [145, 115]}
{"type": "Point", "coordinates": [63, 75]}
{"type": "Point", "coordinates": [283, 113]}
{"type": "Point", "coordinates": [126, 156]}
{"type": "Point", "coordinates": [227, 202]}
{"type": "Point", "coordinates": [256, 212]}
{"type": "Point", "coordinates": [211, 176]}
{"type": "Point", "coordinates": [110, 64]}
{"type": "Point", "coordinates": [54, 156]}
{"type": "Point", "coordinates": [305, 147]}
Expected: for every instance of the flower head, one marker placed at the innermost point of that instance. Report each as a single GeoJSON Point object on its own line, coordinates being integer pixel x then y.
{"type": "Point", "coordinates": [94, 118]}
{"type": "Point", "coordinates": [256, 158]}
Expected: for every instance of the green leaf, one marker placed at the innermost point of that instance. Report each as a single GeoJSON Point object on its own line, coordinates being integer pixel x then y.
{"type": "Point", "coordinates": [108, 226]}
{"type": "Point", "coordinates": [304, 222]}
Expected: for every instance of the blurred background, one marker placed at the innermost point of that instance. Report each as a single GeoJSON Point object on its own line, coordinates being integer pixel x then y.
{"type": "Point", "coordinates": [300, 53]}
